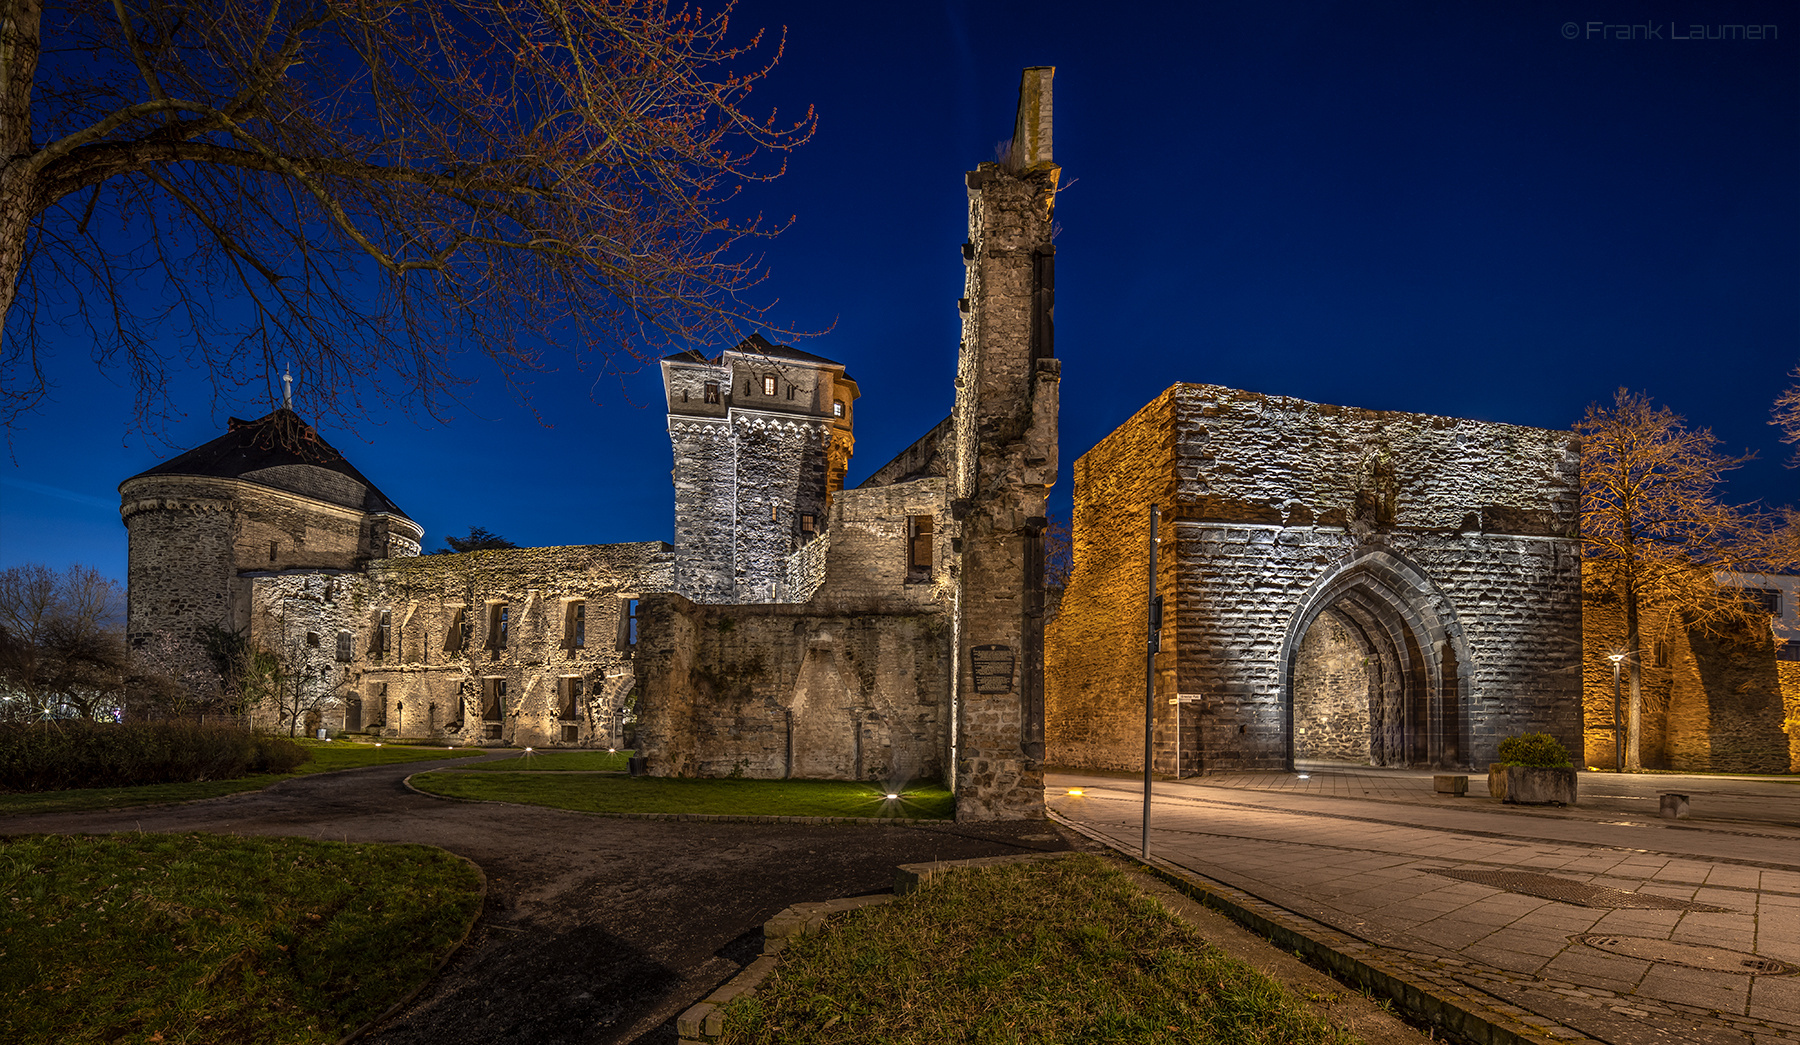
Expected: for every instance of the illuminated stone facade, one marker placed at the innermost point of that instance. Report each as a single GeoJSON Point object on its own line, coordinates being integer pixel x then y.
{"type": "Point", "coordinates": [1342, 584]}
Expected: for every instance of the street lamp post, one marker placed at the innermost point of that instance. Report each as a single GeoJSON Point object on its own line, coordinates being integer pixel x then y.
{"type": "Point", "coordinates": [1618, 734]}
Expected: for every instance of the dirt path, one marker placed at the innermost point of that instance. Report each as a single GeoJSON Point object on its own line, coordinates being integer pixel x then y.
{"type": "Point", "coordinates": [596, 929]}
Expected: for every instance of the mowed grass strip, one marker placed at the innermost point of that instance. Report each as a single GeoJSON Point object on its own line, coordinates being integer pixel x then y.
{"type": "Point", "coordinates": [561, 762]}
{"type": "Point", "coordinates": [608, 794]}
{"type": "Point", "coordinates": [326, 756]}
{"type": "Point", "coordinates": [1062, 951]}
{"type": "Point", "coordinates": [202, 938]}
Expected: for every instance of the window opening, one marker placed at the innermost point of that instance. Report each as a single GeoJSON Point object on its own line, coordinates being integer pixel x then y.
{"type": "Point", "coordinates": [1767, 598]}
{"type": "Point", "coordinates": [384, 633]}
{"type": "Point", "coordinates": [352, 713]}
{"type": "Point", "coordinates": [456, 639]}
{"type": "Point", "coordinates": [273, 546]}
{"type": "Point", "coordinates": [790, 391]}
{"type": "Point", "coordinates": [312, 639]}
{"type": "Point", "coordinates": [497, 626]}
{"type": "Point", "coordinates": [806, 522]}
{"type": "Point", "coordinates": [837, 408]}
{"type": "Point", "coordinates": [712, 391]}
{"type": "Point", "coordinates": [344, 651]}
{"type": "Point", "coordinates": [574, 625]}
{"type": "Point", "coordinates": [493, 699]}
{"type": "Point", "coordinates": [628, 623]}
{"type": "Point", "coordinates": [684, 395]}
{"type": "Point", "coordinates": [918, 548]}
{"type": "Point", "coordinates": [568, 698]}
{"type": "Point", "coordinates": [1659, 655]}
{"type": "Point", "coordinates": [769, 384]}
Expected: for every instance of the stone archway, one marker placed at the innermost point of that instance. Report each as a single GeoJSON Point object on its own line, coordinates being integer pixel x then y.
{"type": "Point", "coordinates": [1374, 669]}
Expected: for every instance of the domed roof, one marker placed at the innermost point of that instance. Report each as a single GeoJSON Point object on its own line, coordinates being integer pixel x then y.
{"type": "Point", "coordinates": [283, 452]}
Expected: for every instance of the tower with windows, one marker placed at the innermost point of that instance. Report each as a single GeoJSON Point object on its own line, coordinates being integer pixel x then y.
{"type": "Point", "coordinates": [762, 439]}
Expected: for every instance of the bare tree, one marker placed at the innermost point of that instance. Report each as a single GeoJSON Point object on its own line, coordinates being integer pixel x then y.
{"type": "Point", "coordinates": [1787, 417]}
{"type": "Point", "coordinates": [1654, 535]}
{"type": "Point", "coordinates": [369, 188]}
{"type": "Point", "coordinates": [62, 642]}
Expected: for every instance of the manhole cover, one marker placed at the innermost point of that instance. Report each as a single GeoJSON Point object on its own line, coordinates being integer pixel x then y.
{"type": "Point", "coordinates": [1692, 955]}
{"type": "Point", "coordinates": [1567, 890]}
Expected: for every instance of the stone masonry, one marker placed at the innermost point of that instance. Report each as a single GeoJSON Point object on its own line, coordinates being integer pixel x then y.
{"type": "Point", "coordinates": [1437, 553]}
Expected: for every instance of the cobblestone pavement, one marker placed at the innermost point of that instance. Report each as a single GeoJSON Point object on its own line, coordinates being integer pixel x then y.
{"type": "Point", "coordinates": [1362, 854]}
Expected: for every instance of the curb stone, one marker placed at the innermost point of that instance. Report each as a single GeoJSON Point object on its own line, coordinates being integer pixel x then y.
{"type": "Point", "coordinates": [413, 995]}
{"type": "Point", "coordinates": [1447, 1004]}
{"type": "Point", "coordinates": [703, 1022]}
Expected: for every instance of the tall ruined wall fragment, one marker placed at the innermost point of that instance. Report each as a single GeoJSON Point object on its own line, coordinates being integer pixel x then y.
{"type": "Point", "coordinates": [1005, 431]}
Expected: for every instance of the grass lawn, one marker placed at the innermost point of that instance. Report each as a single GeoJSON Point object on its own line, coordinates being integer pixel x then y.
{"type": "Point", "coordinates": [202, 938]}
{"type": "Point", "coordinates": [326, 756]}
{"type": "Point", "coordinates": [560, 762]}
{"type": "Point", "coordinates": [608, 794]}
{"type": "Point", "coordinates": [1060, 951]}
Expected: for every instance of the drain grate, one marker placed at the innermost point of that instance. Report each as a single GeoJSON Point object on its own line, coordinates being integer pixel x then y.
{"type": "Point", "coordinates": [1692, 955]}
{"type": "Point", "coordinates": [1567, 890]}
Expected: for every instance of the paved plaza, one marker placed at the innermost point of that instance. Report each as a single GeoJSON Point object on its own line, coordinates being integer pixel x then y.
{"type": "Point", "coordinates": [1601, 921]}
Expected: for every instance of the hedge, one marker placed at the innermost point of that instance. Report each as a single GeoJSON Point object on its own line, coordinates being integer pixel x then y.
{"type": "Point", "coordinates": [57, 756]}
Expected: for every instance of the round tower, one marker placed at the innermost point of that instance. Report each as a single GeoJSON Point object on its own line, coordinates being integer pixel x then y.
{"type": "Point", "coordinates": [268, 496]}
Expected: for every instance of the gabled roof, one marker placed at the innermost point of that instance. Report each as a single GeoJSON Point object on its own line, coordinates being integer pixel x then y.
{"type": "Point", "coordinates": [754, 345]}
{"type": "Point", "coordinates": [280, 439]}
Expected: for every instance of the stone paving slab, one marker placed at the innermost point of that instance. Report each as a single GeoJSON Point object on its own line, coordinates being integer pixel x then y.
{"type": "Point", "coordinates": [1364, 868]}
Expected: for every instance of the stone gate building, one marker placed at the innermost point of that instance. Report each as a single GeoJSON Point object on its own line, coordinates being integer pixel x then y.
{"type": "Point", "coordinates": [1340, 584]}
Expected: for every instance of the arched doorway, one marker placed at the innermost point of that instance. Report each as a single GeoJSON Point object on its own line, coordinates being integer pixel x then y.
{"type": "Point", "coordinates": [1374, 669]}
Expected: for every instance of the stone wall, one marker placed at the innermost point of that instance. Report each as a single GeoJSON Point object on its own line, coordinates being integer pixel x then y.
{"type": "Point", "coordinates": [1005, 460]}
{"type": "Point", "coordinates": [930, 454]}
{"type": "Point", "coordinates": [772, 692]}
{"type": "Point", "coordinates": [1711, 702]}
{"type": "Point", "coordinates": [1447, 541]}
{"type": "Point", "coordinates": [424, 678]}
{"type": "Point", "coordinates": [869, 544]}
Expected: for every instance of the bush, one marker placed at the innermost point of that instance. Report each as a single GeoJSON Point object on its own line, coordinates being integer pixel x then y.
{"type": "Point", "coordinates": [1537, 750]}
{"type": "Point", "coordinates": [57, 756]}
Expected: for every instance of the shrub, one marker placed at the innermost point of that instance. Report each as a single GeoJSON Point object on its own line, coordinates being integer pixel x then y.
{"type": "Point", "coordinates": [56, 756]}
{"type": "Point", "coordinates": [1537, 750]}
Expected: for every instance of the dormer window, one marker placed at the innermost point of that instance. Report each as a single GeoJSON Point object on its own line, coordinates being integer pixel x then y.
{"type": "Point", "coordinates": [770, 384]}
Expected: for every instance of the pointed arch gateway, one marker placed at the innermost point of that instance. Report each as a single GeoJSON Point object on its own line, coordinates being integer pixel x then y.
{"type": "Point", "coordinates": [1410, 698]}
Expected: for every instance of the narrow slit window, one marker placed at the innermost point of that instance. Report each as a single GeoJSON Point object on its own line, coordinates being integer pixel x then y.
{"type": "Point", "coordinates": [1659, 655]}
{"type": "Point", "coordinates": [344, 644]}
{"type": "Point", "coordinates": [498, 614]}
{"type": "Point", "coordinates": [273, 548]}
{"type": "Point", "coordinates": [628, 623]}
{"type": "Point", "coordinates": [384, 634]}
{"type": "Point", "coordinates": [791, 391]}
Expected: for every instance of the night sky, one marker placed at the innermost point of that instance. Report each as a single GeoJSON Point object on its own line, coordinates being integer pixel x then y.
{"type": "Point", "coordinates": [1488, 211]}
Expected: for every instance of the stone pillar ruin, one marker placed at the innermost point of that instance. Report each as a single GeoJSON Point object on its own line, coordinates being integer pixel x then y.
{"type": "Point", "coordinates": [1006, 460]}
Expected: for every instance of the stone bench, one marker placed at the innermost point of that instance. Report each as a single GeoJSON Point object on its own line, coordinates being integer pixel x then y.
{"type": "Point", "coordinates": [1674, 805]}
{"type": "Point", "coordinates": [1447, 784]}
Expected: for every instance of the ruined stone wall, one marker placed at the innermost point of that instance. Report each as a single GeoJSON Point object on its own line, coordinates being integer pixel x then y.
{"type": "Point", "coordinates": [773, 691]}
{"type": "Point", "coordinates": [931, 454]}
{"type": "Point", "coordinates": [1005, 424]}
{"type": "Point", "coordinates": [1711, 703]}
{"type": "Point", "coordinates": [415, 686]}
{"type": "Point", "coordinates": [1094, 669]}
{"type": "Point", "coordinates": [869, 543]}
{"type": "Point", "coordinates": [1276, 500]}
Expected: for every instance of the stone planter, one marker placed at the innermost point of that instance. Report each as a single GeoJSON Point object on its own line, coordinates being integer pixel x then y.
{"type": "Point", "coordinates": [1530, 786]}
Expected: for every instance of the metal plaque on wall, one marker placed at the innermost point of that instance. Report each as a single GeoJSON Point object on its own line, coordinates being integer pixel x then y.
{"type": "Point", "coordinates": [993, 668]}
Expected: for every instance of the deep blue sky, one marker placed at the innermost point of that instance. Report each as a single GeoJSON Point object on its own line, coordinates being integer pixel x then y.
{"type": "Point", "coordinates": [1451, 209]}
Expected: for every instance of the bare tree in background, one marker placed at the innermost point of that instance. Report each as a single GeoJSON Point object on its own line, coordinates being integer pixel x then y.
{"type": "Point", "coordinates": [370, 188]}
{"type": "Point", "coordinates": [1654, 535]}
{"type": "Point", "coordinates": [1787, 417]}
{"type": "Point", "coordinates": [62, 642]}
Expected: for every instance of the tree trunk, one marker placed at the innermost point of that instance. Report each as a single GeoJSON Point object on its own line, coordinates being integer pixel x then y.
{"type": "Point", "coordinates": [19, 41]}
{"type": "Point", "coordinates": [1635, 706]}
